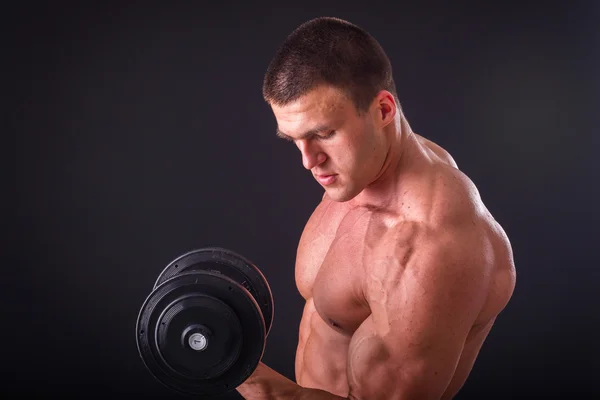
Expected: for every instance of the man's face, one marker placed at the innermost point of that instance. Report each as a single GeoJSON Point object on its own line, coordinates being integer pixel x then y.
{"type": "Point", "coordinates": [343, 150]}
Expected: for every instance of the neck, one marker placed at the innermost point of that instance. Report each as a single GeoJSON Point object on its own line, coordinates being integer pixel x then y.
{"type": "Point", "coordinates": [385, 189]}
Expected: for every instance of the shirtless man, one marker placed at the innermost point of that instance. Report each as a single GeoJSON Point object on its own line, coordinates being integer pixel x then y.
{"type": "Point", "coordinates": [403, 268]}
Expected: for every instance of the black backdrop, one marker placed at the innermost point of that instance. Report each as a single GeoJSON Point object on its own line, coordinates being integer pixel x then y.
{"type": "Point", "coordinates": [137, 131]}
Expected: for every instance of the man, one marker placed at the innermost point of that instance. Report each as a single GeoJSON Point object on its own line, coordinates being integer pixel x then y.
{"type": "Point", "coordinates": [403, 269]}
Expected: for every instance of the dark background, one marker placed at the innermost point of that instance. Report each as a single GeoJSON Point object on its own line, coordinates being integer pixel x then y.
{"type": "Point", "coordinates": [136, 132]}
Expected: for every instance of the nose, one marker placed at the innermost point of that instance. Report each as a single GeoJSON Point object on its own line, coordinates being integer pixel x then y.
{"type": "Point", "coordinates": [311, 155]}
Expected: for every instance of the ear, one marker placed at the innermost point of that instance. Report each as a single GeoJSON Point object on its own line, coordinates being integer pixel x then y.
{"type": "Point", "coordinates": [385, 108]}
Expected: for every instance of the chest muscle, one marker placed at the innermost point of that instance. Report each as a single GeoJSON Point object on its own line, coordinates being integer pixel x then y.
{"type": "Point", "coordinates": [333, 274]}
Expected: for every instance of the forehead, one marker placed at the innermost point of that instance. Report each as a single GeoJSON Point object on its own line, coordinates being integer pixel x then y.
{"type": "Point", "coordinates": [321, 103]}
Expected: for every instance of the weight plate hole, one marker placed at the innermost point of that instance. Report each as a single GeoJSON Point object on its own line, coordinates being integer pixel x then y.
{"type": "Point", "coordinates": [176, 265]}
{"type": "Point", "coordinates": [229, 287]}
{"type": "Point", "coordinates": [142, 332]}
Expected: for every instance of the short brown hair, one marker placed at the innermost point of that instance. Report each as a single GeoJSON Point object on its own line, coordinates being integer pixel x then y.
{"type": "Point", "coordinates": [331, 51]}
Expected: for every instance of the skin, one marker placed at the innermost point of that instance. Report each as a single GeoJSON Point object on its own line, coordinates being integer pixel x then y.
{"type": "Point", "coordinates": [403, 269]}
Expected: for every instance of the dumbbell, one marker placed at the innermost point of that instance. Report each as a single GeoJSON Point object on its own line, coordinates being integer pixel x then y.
{"type": "Point", "coordinates": [202, 329]}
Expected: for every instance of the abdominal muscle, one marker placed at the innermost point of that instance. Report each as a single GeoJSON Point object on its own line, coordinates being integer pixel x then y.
{"type": "Point", "coordinates": [322, 353]}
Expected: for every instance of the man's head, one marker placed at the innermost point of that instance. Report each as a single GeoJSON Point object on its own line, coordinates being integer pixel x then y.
{"type": "Point", "coordinates": [329, 51]}
{"type": "Point", "coordinates": [331, 89]}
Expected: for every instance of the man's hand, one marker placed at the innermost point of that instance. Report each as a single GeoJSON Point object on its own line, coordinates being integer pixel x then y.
{"type": "Point", "coordinates": [266, 384]}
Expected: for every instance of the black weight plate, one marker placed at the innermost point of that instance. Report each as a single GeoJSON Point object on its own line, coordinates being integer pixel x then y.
{"type": "Point", "coordinates": [231, 264]}
{"type": "Point", "coordinates": [203, 322]}
{"type": "Point", "coordinates": [229, 318]}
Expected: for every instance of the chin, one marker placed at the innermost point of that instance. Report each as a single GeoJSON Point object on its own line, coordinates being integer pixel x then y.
{"type": "Point", "coordinates": [340, 195]}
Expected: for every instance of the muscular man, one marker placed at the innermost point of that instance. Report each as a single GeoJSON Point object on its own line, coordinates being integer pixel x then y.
{"type": "Point", "coordinates": [403, 268]}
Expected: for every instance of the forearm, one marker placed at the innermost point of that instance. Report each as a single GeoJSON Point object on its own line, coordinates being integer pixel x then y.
{"type": "Point", "coordinates": [266, 384]}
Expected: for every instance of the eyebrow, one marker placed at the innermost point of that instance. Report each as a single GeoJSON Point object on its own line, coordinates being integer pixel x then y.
{"type": "Point", "coordinates": [312, 132]}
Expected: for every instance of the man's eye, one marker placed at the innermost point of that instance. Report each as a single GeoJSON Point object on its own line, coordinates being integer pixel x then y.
{"type": "Point", "coordinates": [329, 135]}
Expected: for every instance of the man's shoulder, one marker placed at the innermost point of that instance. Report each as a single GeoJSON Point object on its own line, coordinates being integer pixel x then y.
{"type": "Point", "coordinates": [440, 210]}
{"type": "Point", "coordinates": [458, 236]}
{"type": "Point", "coordinates": [447, 226]}
{"type": "Point", "coordinates": [445, 197]}
{"type": "Point", "coordinates": [438, 150]}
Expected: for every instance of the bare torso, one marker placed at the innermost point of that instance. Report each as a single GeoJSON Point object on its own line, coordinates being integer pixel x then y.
{"type": "Point", "coordinates": [339, 244]}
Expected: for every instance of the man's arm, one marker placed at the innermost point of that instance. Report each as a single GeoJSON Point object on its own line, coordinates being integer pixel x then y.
{"type": "Point", "coordinates": [266, 384]}
{"type": "Point", "coordinates": [422, 309]}
{"type": "Point", "coordinates": [424, 302]}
